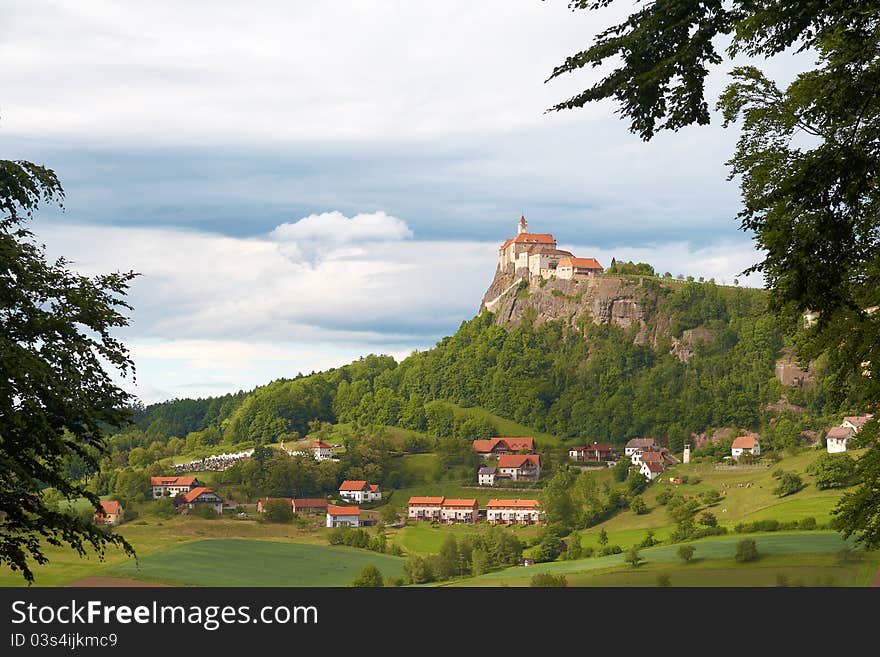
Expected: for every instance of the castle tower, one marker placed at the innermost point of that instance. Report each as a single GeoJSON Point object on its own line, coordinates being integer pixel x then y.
{"type": "Point", "coordinates": [686, 457]}
{"type": "Point", "coordinates": [523, 226]}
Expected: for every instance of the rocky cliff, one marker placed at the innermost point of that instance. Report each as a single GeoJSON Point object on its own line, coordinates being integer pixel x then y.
{"type": "Point", "coordinates": [630, 302]}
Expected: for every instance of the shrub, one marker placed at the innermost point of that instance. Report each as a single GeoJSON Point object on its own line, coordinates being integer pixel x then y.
{"type": "Point", "coordinates": [610, 549]}
{"type": "Point", "coordinates": [369, 577]}
{"type": "Point", "coordinates": [546, 579]}
{"type": "Point", "coordinates": [746, 550]}
{"type": "Point", "coordinates": [789, 483]}
{"type": "Point", "coordinates": [833, 470]}
{"type": "Point", "coordinates": [663, 580]}
{"type": "Point", "coordinates": [808, 524]}
{"type": "Point", "coordinates": [686, 553]}
{"type": "Point", "coordinates": [637, 505]}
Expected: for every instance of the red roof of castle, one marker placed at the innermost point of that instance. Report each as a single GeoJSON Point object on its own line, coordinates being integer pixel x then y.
{"type": "Point", "coordinates": [580, 263]}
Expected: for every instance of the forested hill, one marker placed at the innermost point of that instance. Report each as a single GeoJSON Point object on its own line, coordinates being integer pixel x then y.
{"type": "Point", "coordinates": [679, 357]}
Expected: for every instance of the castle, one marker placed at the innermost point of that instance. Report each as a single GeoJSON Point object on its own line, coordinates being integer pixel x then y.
{"type": "Point", "coordinates": [537, 255]}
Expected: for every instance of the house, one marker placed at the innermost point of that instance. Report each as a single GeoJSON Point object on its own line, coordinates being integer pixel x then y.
{"type": "Point", "coordinates": [322, 451]}
{"type": "Point", "coordinates": [459, 511]}
{"type": "Point", "coordinates": [261, 504]}
{"type": "Point", "coordinates": [570, 267]}
{"type": "Point", "coordinates": [112, 514]}
{"type": "Point", "coordinates": [745, 444]}
{"type": "Point", "coordinates": [513, 512]}
{"type": "Point", "coordinates": [309, 505]}
{"type": "Point", "coordinates": [577, 453]}
{"type": "Point", "coordinates": [520, 466]}
{"type": "Point", "coordinates": [598, 452]}
{"type": "Point", "coordinates": [343, 516]}
{"type": "Point", "coordinates": [651, 456]}
{"type": "Point", "coordinates": [172, 486]}
{"type": "Point", "coordinates": [856, 422]}
{"type": "Point", "coordinates": [357, 490]}
{"type": "Point", "coordinates": [203, 495]}
{"type": "Point", "coordinates": [486, 476]}
{"type": "Point", "coordinates": [651, 469]}
{"type": "Point", "coordinates": [835, 439]}
{"type": "Point", "coordinates": [639, 444]}
{"type": "Point", "coordinates": [425, 508]}
{"type": "Point", "coordinates": [498, 446]}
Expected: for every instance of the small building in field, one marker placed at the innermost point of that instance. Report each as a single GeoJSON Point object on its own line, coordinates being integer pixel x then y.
{"type": "Point", "coordinates": [459, 511]}
{"type": "Point", "coordinates": [486, 476]}
{"type": "Point", "coordinates": [517, 467]}
{"type": "Point", "coordinates": [309, 505]}
{"type": "Point", "coordinates": [570, 267]}
{"type": "Point", "coordinates": [856, 422]}
{"type": "Point", "coordinates": [425, 508]}
{"type": "Point", "coordinates": [321, 451]}
{"type": "Point", "coordinates": [651, 469]}
{"type": "Point", "coordinates": [343, 516]}
{"type": "Point", "coordinates": [640, 444]}
{"type": "Point", "coordinates": [513, 512]}
{"type": "Point", "coordinates": [498, 446]}
{"type": "Point", "coordinates": [112, 514]}
{"type": "Point", "coordinates": [261, 503]}
{"type": "Point", "coordinates": [200, 496]}
{"type": "Point", "coordinates": [837, 437]}
{"type": "Point", "coordinates": [360, 491]}
{"type": "Point", "coordinates": [743, 444]}
{"type": "Point", "coordinates": [172, 486]}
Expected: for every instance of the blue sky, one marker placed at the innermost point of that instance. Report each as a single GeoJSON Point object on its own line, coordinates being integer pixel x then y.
{"type": "Point", "coordinates": [301, 185]}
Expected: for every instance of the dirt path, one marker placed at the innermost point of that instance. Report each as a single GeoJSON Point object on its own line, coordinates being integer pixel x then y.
{"type": "Point", "coordinates": [110, 582]}
{"type": "Point", "coordinates": [876, 580]}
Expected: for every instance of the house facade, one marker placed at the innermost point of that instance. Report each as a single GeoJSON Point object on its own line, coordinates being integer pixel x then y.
{"type": "Point", "coordinates": [570, 267]}
{"type": "Point", "coordinates": [343, 516]}
{"type": "Point", "coordinates": [640, 444]}
{"type": "Point", "coordinates": [112, 513]}
{"type": "Point", "coordinates": [513, 512]}
{"type": "Point", "coordinates": [200, 496]}
{"type": "Point", "coordinates": [321, 451]}
{"type": "Point", "coordinates": [856, 422]}
{"type": "Point", "coordinates": [742, 444]}
{"type": "Point", "coordinates": [651, 469]}
{"type": "Point", "coordinates": [459, 511]}
{"type": "Point", "coordinates": [837, 437]}
{"type": "Point", "coordinates": [486, 476]}
{"type": "Point", "coordinates": [355, 490]}
{"type": "Point", "coordinates": [425, 508]}
{"type": "Point", "coordinates": [598, 452]}
{"type": "Point", "coordinates": [517, 467]}
{"type": "Point", "coordinates": [172, 486]}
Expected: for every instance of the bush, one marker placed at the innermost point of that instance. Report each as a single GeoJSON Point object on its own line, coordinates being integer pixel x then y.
{"type": "Point", "coordinates": [789, 483]}
{"type": "Point", "coordinates": [663, 580]}
{"type": "Point", "coordinates": [164, 508]}
{"type": "Point", "coordinates": [278, 511]}
{"type": "Point", "coordinates": [610, 549]}
{"type": "Point", "coordinates": [686, 553]}
{"type": "Point", "coordinates": [205, 511]}
{"type": "Point", "coordinates": [664, 496]}
{"type": "Point", "coordinates": [637, 505]}
{"type": "Point", "coordinates": [546, 579]}
{"type": "Point", "coordinates": [808, 524]}
{"type": "Point", "coordinates": [369, 577]}
{"type": "Point", "coordinates": [746, 550]}
{"type": "Point", "coordinates": [833, 470]}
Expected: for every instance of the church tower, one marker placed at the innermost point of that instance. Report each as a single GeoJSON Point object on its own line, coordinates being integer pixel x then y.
{"type": "Point", "coordinates": [523, 226]}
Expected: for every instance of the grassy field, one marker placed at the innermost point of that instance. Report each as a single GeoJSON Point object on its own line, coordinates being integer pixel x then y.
{"type": "Point", "coordinates": [504, 426]}
{"type": "Point", "coordinates": [424, 538]}
{"type": "Point", "coordinates": [796, 549]}
{"type": "Point", "coordinates": [237, 562]}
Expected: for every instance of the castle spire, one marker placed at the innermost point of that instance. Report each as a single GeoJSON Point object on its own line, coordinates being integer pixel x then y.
{"type": "Point", "coordinates": [523, 226]}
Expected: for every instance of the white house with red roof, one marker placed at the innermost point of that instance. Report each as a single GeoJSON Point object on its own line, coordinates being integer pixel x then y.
{"type": "Point", "coordinates": [172, 486]}
{"type": "Point", "coordinates": [856, 422]}
{"type": "Point", "coordinates": [837, 437]}
{"type": "Point", "coordinates": [639, 444]}
{"type": "Point", "coordinates": [343, 516]}
{"type": "Point", "coordinates": [570, 267]}
{"type": "Point", "coordinates": [425, 508]}
{"type": "Point", "coordinates": [459, 511]}
{"type": "Point", "coordinates": [517, 467]}
{"type": "Point", "coordinates": [651, 469]}
{"type": "Point", "coordinates": [356, 490]}
{"type": "Point", "coordinates": [504, 445]}
{"type": "Point", "coordinates": [513, 512]}
{"type": "Point", "coordinates": [112, 514]}
{"type": "Point", "coordinates": [321, 451]}
{"type": "Point", "coordinates": [202, 495]}
{"type": "Point", "coordinates": [742, 444]}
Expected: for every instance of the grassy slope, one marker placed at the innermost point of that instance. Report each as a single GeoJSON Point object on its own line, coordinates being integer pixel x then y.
{"type": "Point", "coordinates": [237, 562]}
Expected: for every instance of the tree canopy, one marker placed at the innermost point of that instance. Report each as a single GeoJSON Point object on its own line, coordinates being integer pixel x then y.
{"type": "Point", "coordinates": [56, 397]}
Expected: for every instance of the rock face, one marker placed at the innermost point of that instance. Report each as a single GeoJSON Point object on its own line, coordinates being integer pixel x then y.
{"type": "Point", "coordinates": [789, 372]}
{"type": "Point", "coordinates": [685, 347]}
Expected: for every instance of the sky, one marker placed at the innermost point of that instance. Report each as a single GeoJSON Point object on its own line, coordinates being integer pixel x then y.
{"type": "Point", "coordinates": [302, 184]}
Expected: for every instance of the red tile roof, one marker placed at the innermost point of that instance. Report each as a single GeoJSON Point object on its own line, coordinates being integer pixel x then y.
{"type": "Point", "coordinates": [651, 456]}
{"type": "Point", "coordinates": [111, 506]}
{"type": "Point", "coordinates": [195, 493]}
{"type": "Point", "coordinates": [353, 484]}
{"type": "Point", "coordinates": [513, 444]}
{"type": "Point", "coordinates": [518, 460]}
{"type": "Point", "coordinates": [320, 444]}
{"type": "Point", "coordinates": [468, 503]}
{"type": "Point", "coordinates": [426, 501]}
{"type": "Point", "coordinates": [343, 510]}
{"type": "Point", "coordinates": [858, 420]}
{"type": "Point", "coordinates": [374, 488]}
{"type": "Point", "coordinates": [534, 238]}
{"type": "Point", "coordinates": [839, 433]}
{"type": "Point", "coordinates": [580, 263]}
{"type": "Point", "coordinates": [517, 504]}
{"type": "Point", "coordinates": [744, 442]}
{"type": "Point", "coordinates": [653, 466]}
{"type": "Point", "coordinates": [172, 481]}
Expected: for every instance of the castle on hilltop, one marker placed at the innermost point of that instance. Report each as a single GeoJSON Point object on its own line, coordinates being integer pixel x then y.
{"type": "Point", "coordinates": [536, 255]}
